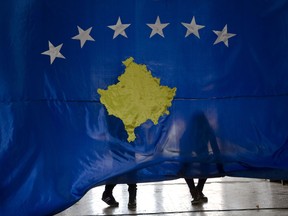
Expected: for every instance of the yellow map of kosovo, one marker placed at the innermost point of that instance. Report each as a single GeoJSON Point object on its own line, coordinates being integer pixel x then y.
{"type": "Point", "coordinates": [137, 97]}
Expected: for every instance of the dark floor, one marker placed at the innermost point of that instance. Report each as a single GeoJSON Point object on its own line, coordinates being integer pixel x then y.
{"type": "Point", "coordinates": [227, 196]}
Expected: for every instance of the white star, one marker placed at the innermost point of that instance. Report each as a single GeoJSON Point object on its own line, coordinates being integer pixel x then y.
{"type": "Point", "coordinates": [83, 36]}
{"type": "Point", "coordinates": [119, 28]}
{"type": "Point", "coordinates": [192, 28]}
{"type": "Point", "coordinates": [223, 36]}
{"type": "Point", "coordinates": [158, 27]}
{"type": "Point", "coordinates": [53, 52]}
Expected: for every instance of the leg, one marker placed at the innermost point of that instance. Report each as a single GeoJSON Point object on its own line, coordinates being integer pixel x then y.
{"type": "Point", "coordinates": [196, 192]}
{"type": "Point", "coordinates": [109, 188]}
{"type": "Point", "coordinates": [201, 183]}
{"type": "Point", "coordinates": [200, 186]}
{"type": "Point", "coordinates": [192, 188]}
{"type": "Point", "coordinates": [107, 195]}
{"type": "Point", "coordinates": [132, 189]}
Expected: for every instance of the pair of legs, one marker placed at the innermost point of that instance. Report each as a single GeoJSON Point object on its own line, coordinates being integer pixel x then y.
{"type": "Point", "coordinates": [196, 191]}
{"type": "Point", "coordinates": [108, 198]}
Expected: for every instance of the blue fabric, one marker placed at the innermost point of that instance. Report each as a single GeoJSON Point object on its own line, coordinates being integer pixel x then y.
{"type": "Point", "coordinates": [229, 115]}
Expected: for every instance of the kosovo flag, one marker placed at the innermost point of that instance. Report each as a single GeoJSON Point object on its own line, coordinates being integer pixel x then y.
{"type": "Point", "coordinates": [76, 112]}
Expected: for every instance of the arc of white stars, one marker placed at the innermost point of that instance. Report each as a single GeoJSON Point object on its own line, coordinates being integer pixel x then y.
{"type": "Point", "coordinates": [83, 36]}
{"type": "Point", "coordinates": [53, 52]}
{"type": "Point", "coordinates": [192, 28]}
{"type": "Point", "coordinates": [119, 28]}
{"type": "Point", "coordinates": [157, 27]}
{"type": "Point", "coordinates": [223, 36]}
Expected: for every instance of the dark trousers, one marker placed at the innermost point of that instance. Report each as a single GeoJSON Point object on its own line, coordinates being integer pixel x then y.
{"type": "Point", "coordinates": [132, 188]}
{"type": "Point", "coordinates": [195, 189]}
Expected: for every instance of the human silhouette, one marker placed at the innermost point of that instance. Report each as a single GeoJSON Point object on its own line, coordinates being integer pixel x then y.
{"type": "Point", "coordinates": [200, 136]}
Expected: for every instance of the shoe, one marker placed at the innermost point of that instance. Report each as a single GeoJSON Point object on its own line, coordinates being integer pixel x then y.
{"type": "Point", "coordinates": [199, 199]}
{"type": "Point", "coordinates": [203, 198]}
{"type": "Point", "coordinates": [109, 200]}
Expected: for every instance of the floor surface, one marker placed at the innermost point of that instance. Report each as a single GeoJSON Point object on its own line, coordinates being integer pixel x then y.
{"type": "Point", "coordinates": [227, 196]}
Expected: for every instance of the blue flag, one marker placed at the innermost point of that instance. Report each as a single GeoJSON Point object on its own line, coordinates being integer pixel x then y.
{"type": "Point", "coordinates": [227, 59]}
